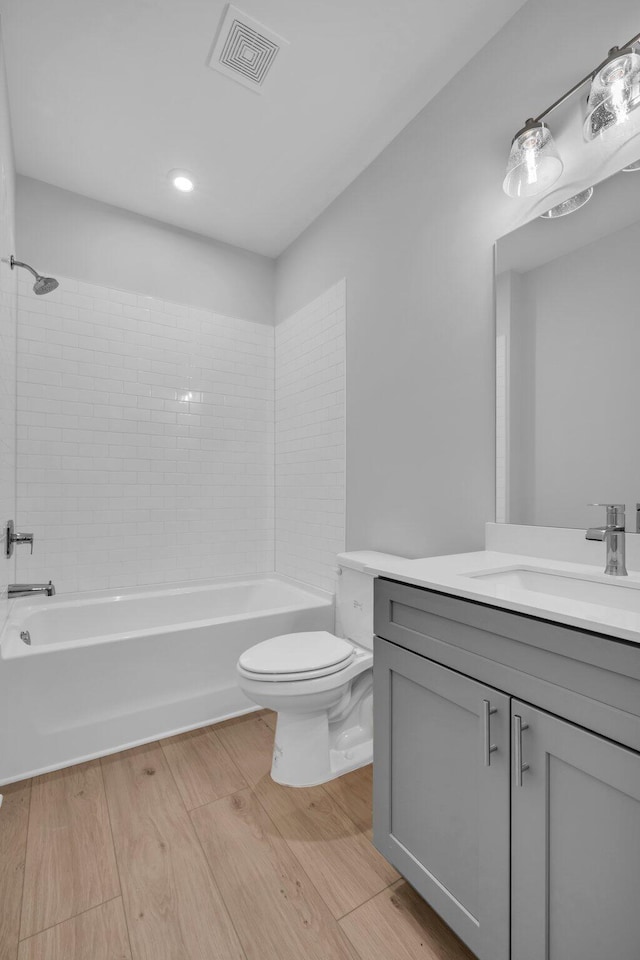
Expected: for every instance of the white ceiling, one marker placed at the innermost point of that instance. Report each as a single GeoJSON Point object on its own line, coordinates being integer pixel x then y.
{"type": "Point", "coordinates": [107, 96]}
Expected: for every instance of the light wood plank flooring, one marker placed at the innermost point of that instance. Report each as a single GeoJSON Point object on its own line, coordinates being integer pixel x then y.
{"type": "Point", "coordinates": [186, 849]}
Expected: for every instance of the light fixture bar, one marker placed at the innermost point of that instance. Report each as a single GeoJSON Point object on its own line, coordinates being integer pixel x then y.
{"type": "Point", "coordinates": [581, 83]}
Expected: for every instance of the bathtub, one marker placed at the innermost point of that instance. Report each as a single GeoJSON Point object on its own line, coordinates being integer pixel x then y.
{"type": "Point", "coordinates": [105, 671]}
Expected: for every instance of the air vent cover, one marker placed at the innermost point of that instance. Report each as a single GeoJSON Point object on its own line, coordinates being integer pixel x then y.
{"type": "Point", "coordinates": [244, 49]}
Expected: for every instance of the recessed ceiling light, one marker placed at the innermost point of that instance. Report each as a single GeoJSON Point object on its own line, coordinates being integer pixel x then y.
{"type": "Point", "coordinates": [181, 180]}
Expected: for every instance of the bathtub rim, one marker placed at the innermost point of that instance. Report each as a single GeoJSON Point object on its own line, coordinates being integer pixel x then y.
{"type": "Point", "coordinates": [12, 648]}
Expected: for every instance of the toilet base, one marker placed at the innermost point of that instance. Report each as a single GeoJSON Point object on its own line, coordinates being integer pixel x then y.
{"type": "Point", "coordinates": [302, 756]}
{"type": "Point", "coordinates": [312, 748]}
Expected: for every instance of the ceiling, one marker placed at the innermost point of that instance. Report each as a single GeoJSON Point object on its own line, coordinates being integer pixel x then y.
{"type": "Point", "coordinates": [107, 96]}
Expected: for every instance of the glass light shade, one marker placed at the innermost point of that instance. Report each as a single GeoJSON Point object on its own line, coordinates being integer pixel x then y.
{"type": "Point", "coordinates": [614, 94]}
{"type": "Point", "coordinates": [534, 163]}
{"type": "Point", "coordinates": [568, 206]}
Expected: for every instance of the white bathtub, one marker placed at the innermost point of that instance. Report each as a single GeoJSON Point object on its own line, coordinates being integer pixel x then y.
{"type": "Point", "coordinates": [104, 672]}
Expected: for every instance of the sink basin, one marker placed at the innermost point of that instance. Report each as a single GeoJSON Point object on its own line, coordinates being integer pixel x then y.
{"type": "Point", "coordinates": [620, 593]}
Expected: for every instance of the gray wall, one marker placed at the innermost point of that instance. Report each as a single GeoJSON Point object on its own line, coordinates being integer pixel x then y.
{"type": "Point", "coordinates": [63, 232]}
{"type": "Point", "coordinates": [414, 236]}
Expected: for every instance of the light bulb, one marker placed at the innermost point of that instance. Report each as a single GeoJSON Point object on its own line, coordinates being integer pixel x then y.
{"type": "Point", "coordinates": [182, 180]}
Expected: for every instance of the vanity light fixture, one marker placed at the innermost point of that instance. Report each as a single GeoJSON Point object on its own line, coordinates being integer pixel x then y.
{"type": "Point", "coordinates": [615, 92]}
{"type": "Point", "coordinates": [534, 163]}
{"type": "Point", "coordinates": [568, 206]}
{"type": "Point", "coordinates": [182, 180]}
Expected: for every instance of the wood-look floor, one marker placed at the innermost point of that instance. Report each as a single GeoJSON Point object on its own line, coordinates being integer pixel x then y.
{"type": "Point", "coordinates": [186, 849]}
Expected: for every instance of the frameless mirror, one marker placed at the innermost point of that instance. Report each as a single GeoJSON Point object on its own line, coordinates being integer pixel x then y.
{"type": "Point", "coordinates": [568, 362]}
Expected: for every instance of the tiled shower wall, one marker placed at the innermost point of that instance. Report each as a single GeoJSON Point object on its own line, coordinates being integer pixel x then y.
{"type": "Point", "coordinates": [8, 319]}
{"type": "Point", "coordinates": [8, 322]}
{"type": "Point", "coordinates": [310, 439]}
{"type": "Point", "coordinates": [145, 440]}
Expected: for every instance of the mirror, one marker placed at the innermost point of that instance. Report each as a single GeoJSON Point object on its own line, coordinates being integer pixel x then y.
{"type": "Point", "coordinates": [568, 362]}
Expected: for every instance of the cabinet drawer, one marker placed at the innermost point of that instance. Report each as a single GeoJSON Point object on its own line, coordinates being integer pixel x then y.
{"type": "Point", "coordinates": [590, 679]}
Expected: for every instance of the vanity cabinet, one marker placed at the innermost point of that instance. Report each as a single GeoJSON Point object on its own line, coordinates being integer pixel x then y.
{"type": "Point", "coordinates": [541, 864]}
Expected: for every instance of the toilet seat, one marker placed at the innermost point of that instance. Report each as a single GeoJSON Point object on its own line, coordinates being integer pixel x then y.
{"type": "Point", "coordinates": [296, 656]}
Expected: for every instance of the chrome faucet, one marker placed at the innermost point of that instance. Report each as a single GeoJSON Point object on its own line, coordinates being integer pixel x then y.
{"type": "Point", "coordinates": [11, 538]}
{"type": "Point", "coordinates": [30, 589]}
{"type": "Point", "coordinates": [613, 535]}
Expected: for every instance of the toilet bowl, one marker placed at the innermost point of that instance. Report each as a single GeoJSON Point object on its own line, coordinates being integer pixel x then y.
{"type": "Point", "coordinates": [320, 685]}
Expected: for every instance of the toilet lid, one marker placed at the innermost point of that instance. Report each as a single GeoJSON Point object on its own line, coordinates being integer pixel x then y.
{"type": "Point", "coordinates": [298, 653]}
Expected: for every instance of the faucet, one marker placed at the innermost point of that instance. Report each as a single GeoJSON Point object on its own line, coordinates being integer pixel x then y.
{"type": "Point", "coordinates": [30, 589]}
{"type": "Point", "coordinates": [613, 535]}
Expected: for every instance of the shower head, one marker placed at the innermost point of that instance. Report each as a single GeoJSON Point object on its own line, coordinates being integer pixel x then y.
{"type": "Point", "coordinates": [42, 284]}
{"type": "Point", "coordinates": [45, 285]}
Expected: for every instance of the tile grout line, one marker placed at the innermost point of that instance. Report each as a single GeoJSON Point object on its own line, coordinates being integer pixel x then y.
{"type": "Point", "coordinates": [24, 866]}
{"type": "Point", "coordinates": [115, 857]}
{"type": "Point", "coordinates": [75, 916]}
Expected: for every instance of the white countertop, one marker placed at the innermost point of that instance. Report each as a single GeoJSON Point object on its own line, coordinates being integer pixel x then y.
{"type": "Point", "coordinates": [450, 574]}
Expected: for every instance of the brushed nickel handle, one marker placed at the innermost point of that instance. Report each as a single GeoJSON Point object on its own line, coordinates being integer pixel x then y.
{"type": "Point", "coordinates": [518, 727]}
{"type": "Point", "coordinates": [489, 748]}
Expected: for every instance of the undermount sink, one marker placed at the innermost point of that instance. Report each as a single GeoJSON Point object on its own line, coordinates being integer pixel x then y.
{"type": "Point", "coordinates": [620, 593]}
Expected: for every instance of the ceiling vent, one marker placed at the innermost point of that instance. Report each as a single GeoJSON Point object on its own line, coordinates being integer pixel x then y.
{"type": "Point", "coordinates": [244, 49]}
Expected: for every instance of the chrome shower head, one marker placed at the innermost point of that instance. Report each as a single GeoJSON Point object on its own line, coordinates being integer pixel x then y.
{"type": "Point", "coordinates": [42, 284]}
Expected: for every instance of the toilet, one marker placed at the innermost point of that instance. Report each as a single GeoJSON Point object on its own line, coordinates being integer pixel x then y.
{"type": "Point", "coordinates": [321, 684]}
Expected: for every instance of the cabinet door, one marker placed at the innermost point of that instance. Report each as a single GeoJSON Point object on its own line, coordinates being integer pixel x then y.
{"type": "Point", "coordinates": [441, 800]}
{"type": "Point", "coordinates": [575, 844]}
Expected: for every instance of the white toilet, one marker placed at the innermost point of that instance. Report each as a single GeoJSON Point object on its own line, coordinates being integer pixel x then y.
{"type": "Point", "coordinates": [320, 685]}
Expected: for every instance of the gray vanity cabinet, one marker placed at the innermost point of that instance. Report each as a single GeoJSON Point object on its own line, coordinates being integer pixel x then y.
{"type": "Point", "coordinates": [575, 844]}
{"type": "Point", "coordinates": [443, 820]}
{"type": "Point", "coordinates": [542, 864]}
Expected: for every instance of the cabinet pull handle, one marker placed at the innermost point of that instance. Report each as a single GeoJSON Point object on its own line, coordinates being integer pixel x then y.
{"type": "Point", "coordinates": [520, 767]}
{"type": "Point", "coordinates": [489, 748]}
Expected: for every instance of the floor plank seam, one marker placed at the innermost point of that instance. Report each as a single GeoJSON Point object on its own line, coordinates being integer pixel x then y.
{"type": "Point", "coordinates": [24, 866]}
{"type": "Point", "coordinates": [215, 882]}
{"type": "Point", "coordinates": [199, 842]}
{"type": "Point", "coordinates": [250, 789]}
{"type": "Point", "coordinates": [115, 855]}
{"type": "Point", "coordinates": [293, 852]}
{"type": "Point", "coordinates": [331, 799]}
{"type": "Point", "coordinates": [368, 900]}
{"type": "Point", "coordinates": [59, 923]}
{"type": "Point", "coordinates": [227, 754]}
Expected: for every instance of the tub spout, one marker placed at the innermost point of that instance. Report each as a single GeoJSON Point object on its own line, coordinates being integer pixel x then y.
{"type": "Point", "coordinates": [30, 589]}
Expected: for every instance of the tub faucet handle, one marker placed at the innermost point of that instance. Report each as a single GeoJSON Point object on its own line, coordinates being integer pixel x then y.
{"type": "Point", "coordinates": [11, 538]}
{"type": "Point", "coordinates": [24, 538]}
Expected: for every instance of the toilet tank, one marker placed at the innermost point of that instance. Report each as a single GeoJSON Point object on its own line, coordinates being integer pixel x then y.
{"type": "Point", "coordinates": [354, 595]}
